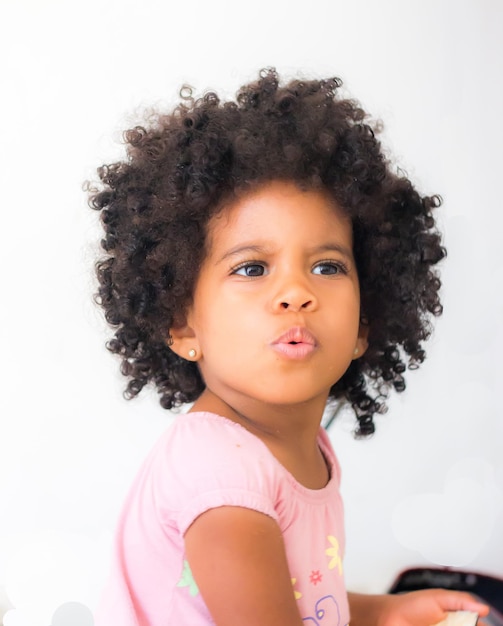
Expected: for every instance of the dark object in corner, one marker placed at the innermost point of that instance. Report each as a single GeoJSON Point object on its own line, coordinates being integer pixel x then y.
{"type": "Point", "coordinates": [489, 589]}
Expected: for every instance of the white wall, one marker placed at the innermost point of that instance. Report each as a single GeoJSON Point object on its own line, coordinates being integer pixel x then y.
{"type": "Point", "coordinates": [428, 487]}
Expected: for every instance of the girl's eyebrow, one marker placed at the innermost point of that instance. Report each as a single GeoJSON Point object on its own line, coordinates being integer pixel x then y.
{"type": "Point", "coordinates": [334, 247]}
{"type": "Point", "coordinates": [242, 248]}
{"type": "Point", "coordinates": [257, 249]}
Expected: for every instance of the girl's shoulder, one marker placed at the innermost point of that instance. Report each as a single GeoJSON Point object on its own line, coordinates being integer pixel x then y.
{"type": "Point", "coordinates": [205, 461]}
{"type": "Point", "coordinates": [204, 442]}
{"type": "Point", "coordinates": [208, 433]}
{"type": "Point", "coordinates": [205, 434]}
{"type": "Point", "coordinates": [199, 447]}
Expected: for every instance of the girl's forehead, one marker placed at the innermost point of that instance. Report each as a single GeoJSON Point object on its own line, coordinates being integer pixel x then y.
{"type": "Point", "coordinates": [279, 202]}
{"type": "Point", "coordinates": [277, 211]}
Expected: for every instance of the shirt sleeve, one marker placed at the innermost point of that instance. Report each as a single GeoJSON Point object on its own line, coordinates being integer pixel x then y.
{"type": "Point", "coordinates": [207, 462]}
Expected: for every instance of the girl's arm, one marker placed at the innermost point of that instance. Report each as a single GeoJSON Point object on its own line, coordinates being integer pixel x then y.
{"type": "Point", "coordinates": [238, 561]}
{"type": "Point", "coordinates": [417, 608]}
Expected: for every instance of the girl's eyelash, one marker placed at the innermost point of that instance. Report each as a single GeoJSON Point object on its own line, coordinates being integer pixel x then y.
{"type": "Point", "coordinates": [340, 265]}
{"type": "Point", "coordinates": [245, 264]}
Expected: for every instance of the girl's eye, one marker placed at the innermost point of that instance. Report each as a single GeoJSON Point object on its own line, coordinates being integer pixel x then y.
{"type": "Point", "coordinates": [330, 268]}
{"type": "Point", "coordinates": [250, 269]}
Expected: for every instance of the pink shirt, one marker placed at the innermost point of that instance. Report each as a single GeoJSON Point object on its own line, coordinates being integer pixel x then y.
{"type": "Point", "coordinates": [205, 461]}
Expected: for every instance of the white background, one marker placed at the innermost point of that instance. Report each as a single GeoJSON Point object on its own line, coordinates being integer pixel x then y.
{"type": "Point", "coordinates": [428, 487]}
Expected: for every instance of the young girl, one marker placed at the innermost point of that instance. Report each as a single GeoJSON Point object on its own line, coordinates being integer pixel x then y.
{"type": "Point", "coordinates": [262, 260]}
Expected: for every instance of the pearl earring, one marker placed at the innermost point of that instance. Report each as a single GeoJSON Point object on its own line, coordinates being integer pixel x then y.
{"type": "Point", "coordinates": [356, 352]}
{"type": "Point", "coordinates": [192, 353]}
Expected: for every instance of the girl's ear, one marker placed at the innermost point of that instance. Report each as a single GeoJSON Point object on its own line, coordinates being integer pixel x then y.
{"type": "Point", "coordinates": [362, 340]}
{"type": "Point", "coordinates": [183, 341]}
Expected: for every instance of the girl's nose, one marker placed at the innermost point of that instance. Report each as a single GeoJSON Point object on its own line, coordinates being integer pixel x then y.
{"type": "Point", "coordinates": [294, 298]}
{"type": "Point", "coordinates": [292, 306]}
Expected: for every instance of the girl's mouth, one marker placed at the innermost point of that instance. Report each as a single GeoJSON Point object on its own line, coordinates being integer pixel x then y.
{"type": "Point", "coordinates": [296, 343]}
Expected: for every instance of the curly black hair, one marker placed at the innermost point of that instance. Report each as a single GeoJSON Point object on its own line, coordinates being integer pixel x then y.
{"type": "Point", "coordinates": [182, 166]}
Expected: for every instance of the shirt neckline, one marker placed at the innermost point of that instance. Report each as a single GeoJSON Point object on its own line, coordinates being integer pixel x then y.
{"type": "Point", "coordinates": [311, 494]}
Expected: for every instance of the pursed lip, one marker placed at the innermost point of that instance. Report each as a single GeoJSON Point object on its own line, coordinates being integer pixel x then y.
{"type": "Point", "coordinates": [296, 343]}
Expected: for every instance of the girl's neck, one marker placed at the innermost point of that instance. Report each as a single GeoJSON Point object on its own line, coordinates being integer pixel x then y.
{"type": "Point", "coordinates": [289, 432]}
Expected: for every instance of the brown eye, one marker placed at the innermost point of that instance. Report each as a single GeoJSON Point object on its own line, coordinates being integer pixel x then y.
{"type": "Point", "coordinates": [250, 269]}
{"type": "Point", "coordinates": [329, 268]}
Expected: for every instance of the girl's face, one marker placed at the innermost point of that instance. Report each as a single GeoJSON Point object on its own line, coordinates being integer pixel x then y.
{"type": "Point", "coordinates": [275, 313]}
